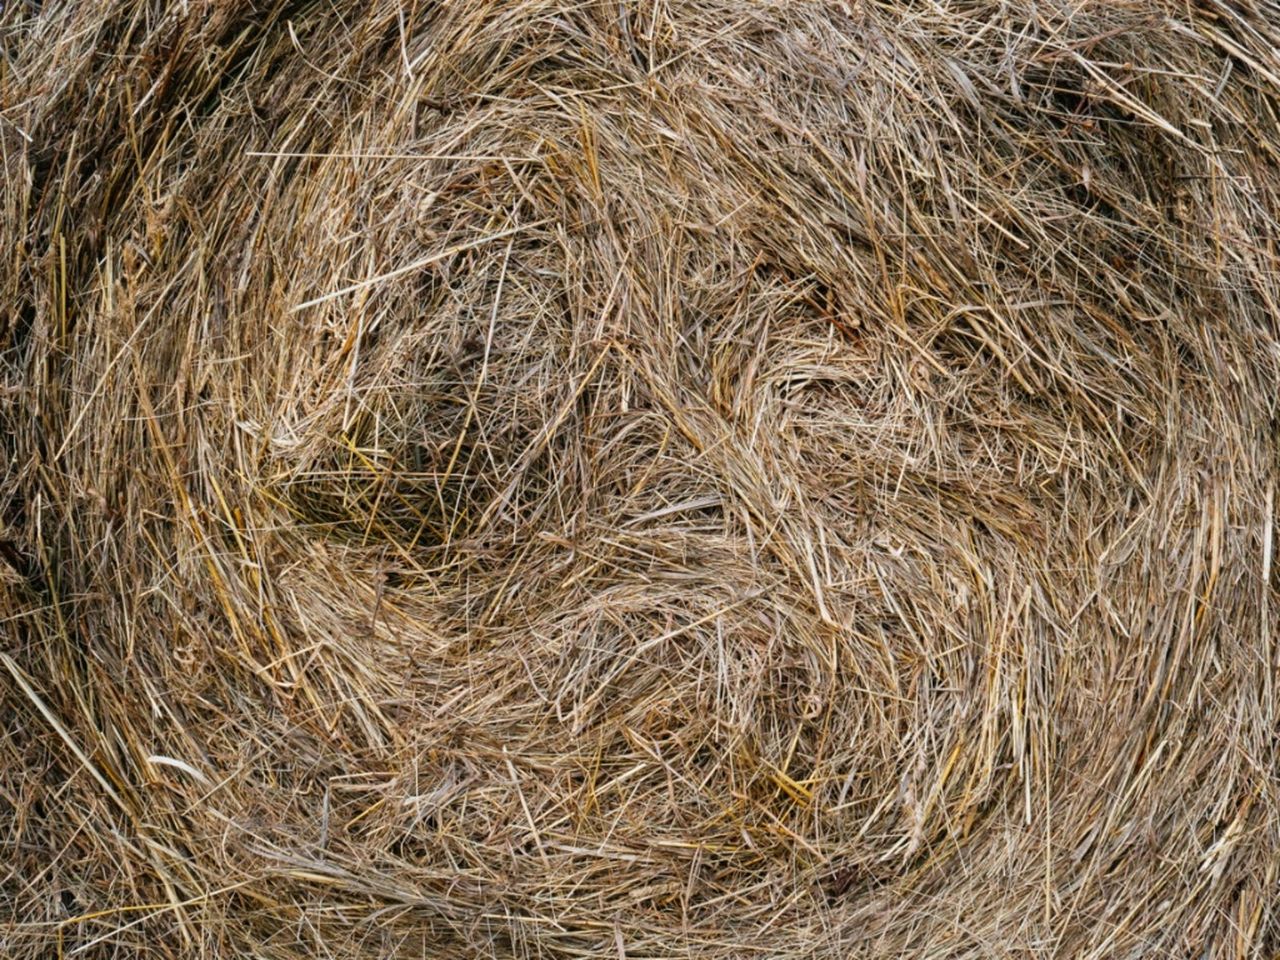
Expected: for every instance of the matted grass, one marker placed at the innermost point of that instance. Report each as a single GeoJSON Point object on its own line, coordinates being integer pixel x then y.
{"type": "Point", "coordinates": [661, 478]}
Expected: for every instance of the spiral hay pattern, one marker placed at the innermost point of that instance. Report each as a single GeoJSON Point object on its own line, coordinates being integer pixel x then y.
{"type": "Point", "coordinates": [659, 478]}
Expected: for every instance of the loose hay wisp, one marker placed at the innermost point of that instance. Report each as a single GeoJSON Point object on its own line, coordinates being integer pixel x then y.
{"type": "Point", "coordinates": [677, 478]}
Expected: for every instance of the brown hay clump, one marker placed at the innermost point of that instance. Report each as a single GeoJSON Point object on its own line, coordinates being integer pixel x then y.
{"type": "Point", "coordinates": [689, 478]}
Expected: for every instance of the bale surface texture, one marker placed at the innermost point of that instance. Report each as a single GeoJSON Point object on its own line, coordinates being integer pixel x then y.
{"type": "Point", "coordinates": [645, 479]}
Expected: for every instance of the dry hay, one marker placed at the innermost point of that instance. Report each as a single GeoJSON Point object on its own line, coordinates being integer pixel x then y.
{"type": "Point", "coordinates": [677, 478]}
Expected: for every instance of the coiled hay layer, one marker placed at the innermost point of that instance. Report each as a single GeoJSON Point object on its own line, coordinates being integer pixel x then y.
{"type": "Point", "coordinates": [678, 478]}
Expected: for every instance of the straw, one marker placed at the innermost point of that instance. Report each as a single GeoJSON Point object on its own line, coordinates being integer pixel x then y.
{"type": "Point", "coordinates": [660, 479]}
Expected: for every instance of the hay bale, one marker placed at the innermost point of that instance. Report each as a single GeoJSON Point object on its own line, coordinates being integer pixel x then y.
{"type": "Point", "coordinates": [720, 478]}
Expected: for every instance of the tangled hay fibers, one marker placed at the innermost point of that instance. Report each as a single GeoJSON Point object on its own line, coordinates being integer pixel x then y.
{"type": "Point", "coordinates": [664, 478]}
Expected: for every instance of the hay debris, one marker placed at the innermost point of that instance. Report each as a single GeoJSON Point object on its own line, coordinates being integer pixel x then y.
{"type": "Point", "coordinates": [690, 478]}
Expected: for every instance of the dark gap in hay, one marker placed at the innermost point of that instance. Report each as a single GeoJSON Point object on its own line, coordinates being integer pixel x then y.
{"type": "Point", "coordinates": [22, 321]}
{"type": "Point", "coordinates": [424, 481]}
